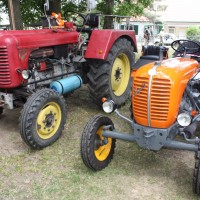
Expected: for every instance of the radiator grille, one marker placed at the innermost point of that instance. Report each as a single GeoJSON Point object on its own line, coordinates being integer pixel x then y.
{"type": "Point", "coordinates": [4, 67]}
{"type": "Point", "coordinates": [159, 99]}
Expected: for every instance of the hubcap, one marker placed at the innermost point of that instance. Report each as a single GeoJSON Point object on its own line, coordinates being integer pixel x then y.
{"type": "Point", "coordinates": [120, 74]}
{"type": "Point", "coordinates": [48, 120]}
{"type": "Point", "coordinates": [102, 151]}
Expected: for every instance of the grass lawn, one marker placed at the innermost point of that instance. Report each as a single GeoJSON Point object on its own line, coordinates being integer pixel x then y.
{"type": "Point", "coordinates": [57, 172]}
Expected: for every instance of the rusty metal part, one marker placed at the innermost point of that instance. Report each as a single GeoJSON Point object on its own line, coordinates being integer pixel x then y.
{"type": "Point", "coordinates": [41, 53]}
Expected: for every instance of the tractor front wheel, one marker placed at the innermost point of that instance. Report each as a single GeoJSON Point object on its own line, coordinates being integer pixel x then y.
{"type": "Point", "coordinates": [96, 150]}
{"type": "Point", "coordinates": [111, 78]}
{"type": "Point", "coordinates": [42, 118]}
{"type": "Point", "coordinates": [196, 176]}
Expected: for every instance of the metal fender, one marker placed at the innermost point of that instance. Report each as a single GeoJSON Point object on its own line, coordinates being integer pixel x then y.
{"type": "Point", "coordinates": [101, 41]}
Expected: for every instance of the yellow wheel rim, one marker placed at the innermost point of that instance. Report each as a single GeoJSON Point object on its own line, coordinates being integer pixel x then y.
{"type": "Point", "coordinates": [48, 120]}
{"type": "Point", "coordinates": [103, 151]}
{"type": "Point", "coordinates": [120, 74]}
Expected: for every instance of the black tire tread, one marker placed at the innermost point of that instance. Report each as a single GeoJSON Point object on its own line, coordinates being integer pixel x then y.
{"type": "Point", "coordinates": [87, 146]}
{"type": "Point", "coordinates": [28, 113]}
{"type": "Point", "coordinates": [99, 74]}
{"type": "Point", "coordinates": [196, 175]}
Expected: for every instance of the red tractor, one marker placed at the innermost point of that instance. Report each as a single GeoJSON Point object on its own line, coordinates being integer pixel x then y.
{"type": "Point", "coordinates": [38, 67]}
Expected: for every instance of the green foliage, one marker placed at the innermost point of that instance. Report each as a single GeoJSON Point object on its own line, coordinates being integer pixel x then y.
{"type": "Point", "coordinates": [33, 10]}
{"type": "Point", "coordinates": [128, 7]}
{"type": "Point", "coordinates": [193, 33]}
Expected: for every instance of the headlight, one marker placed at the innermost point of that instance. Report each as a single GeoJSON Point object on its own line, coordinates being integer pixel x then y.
{"type": "Point", "coordinates": [184, 119]}
{"type": "Point", "coordinates": [108, 106]}
{"type": "Point", "coordinates": [26, 74]}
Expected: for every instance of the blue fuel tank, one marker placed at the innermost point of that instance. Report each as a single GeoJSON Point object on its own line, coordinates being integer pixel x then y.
{"type": "Point", "coordinates": [66, 85]}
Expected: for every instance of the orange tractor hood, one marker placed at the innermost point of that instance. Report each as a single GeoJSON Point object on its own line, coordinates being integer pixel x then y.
{"type": "Point", "coordinates": [158, 89]}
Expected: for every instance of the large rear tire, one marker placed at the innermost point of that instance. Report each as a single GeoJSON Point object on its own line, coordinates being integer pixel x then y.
{"type": "Point", "coordinates": [42, 118]}
{"type": "Point", "coordinates": [111, 78]}
{"type": "Point", "coordinates": [196, 176]}
{"type": "Point", "coordinates": [97, 151]}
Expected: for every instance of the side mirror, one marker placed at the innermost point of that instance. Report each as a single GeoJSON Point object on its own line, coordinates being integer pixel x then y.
{"type": "Point", "coordinates": [46, 5]}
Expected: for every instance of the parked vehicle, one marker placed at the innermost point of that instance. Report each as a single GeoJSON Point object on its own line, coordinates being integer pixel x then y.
{"type": "Point", "coordinates": [38, 67]}
{"type": "Point", "coordinates": [168, 38]}
{"type": "Point", "coordinates": [165, 112]}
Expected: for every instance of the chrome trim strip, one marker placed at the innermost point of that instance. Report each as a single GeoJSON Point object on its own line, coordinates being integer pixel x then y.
{"type": "Point", "coordinates": [151, 73]}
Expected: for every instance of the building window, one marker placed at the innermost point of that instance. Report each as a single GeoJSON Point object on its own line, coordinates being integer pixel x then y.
{"type": "Point", "coordinates": [122, 27]}
{"type": "Point", "coordinates": [135, 27]}
{"type": "Point", "coordinates": [172, 30]}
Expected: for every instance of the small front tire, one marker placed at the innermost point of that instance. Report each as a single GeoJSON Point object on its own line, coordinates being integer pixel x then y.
{"type": "Point", "coordinates": [96, 150]}
{"type": "Point", "coordinates": [42, 118]}
{"type": "Point", "coordinates": [196, 176]}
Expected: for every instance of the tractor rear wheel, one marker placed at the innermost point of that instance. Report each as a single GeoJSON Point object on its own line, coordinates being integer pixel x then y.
{"type": "Point", "coordinates": [97, 151]}
{"type": "Point", "coordinates": [111, 78]}
{"type": "Point", "coordinates": [42, 118]}
{"type": "Point", "coordinates": [196, 176]}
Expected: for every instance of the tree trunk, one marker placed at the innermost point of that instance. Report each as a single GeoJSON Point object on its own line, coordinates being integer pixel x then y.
{"type": "Point", "coordinates": [15, 15]}
{"type": "Point", "coordinates": [108, 21]}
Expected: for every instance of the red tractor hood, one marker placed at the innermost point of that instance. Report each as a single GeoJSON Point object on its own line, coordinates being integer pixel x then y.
{"type": "Point", "coordinates": [38, 38]}
{"type": "Point", "coordinates": [16, 46]}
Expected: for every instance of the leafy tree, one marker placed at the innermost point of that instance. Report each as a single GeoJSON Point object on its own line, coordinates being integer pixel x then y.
{"type": "Point", "coordinates": [124, 8]}
{"type": "Point", "coordinates": [15, 14]}
{"type": "Point", "coordinates": [193, 33]}
{"type": "Point", "coordinates": [33, 10]}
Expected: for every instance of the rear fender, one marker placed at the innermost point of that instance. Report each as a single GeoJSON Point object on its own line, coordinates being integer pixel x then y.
{"type": "Point", "coordinates": [101, 41]}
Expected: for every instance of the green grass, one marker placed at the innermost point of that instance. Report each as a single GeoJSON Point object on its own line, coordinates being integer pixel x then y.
{"type": "Point", "coordinates": [57, 172]}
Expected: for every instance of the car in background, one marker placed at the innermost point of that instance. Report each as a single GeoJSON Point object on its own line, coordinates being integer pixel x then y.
{"type": "Point", "coordinates": [168, 38]}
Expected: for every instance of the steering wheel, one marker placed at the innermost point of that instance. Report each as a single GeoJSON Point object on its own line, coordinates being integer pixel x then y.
{"type": "Point", "coordinates": [76, 17]}
{"type": "Point", "coordinates": [185, 46]}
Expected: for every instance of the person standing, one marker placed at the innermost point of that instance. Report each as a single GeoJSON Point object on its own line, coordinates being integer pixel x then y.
{"type": "Point", "coordinates": [162, 37]}
{"type": "Point", "coordinates": [146, 36]}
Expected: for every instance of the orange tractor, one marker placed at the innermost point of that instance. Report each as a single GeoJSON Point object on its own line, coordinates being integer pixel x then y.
{"type": "Point", "coordinates": [165, 104]}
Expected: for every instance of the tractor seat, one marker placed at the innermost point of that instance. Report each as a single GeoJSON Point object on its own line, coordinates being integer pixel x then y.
{"type": "Point", "coordinates": [154, 52]}
{"type": "Point", "coordinates": [92, 20]}
{"type": "Point", "coordinates": [150, 54]}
